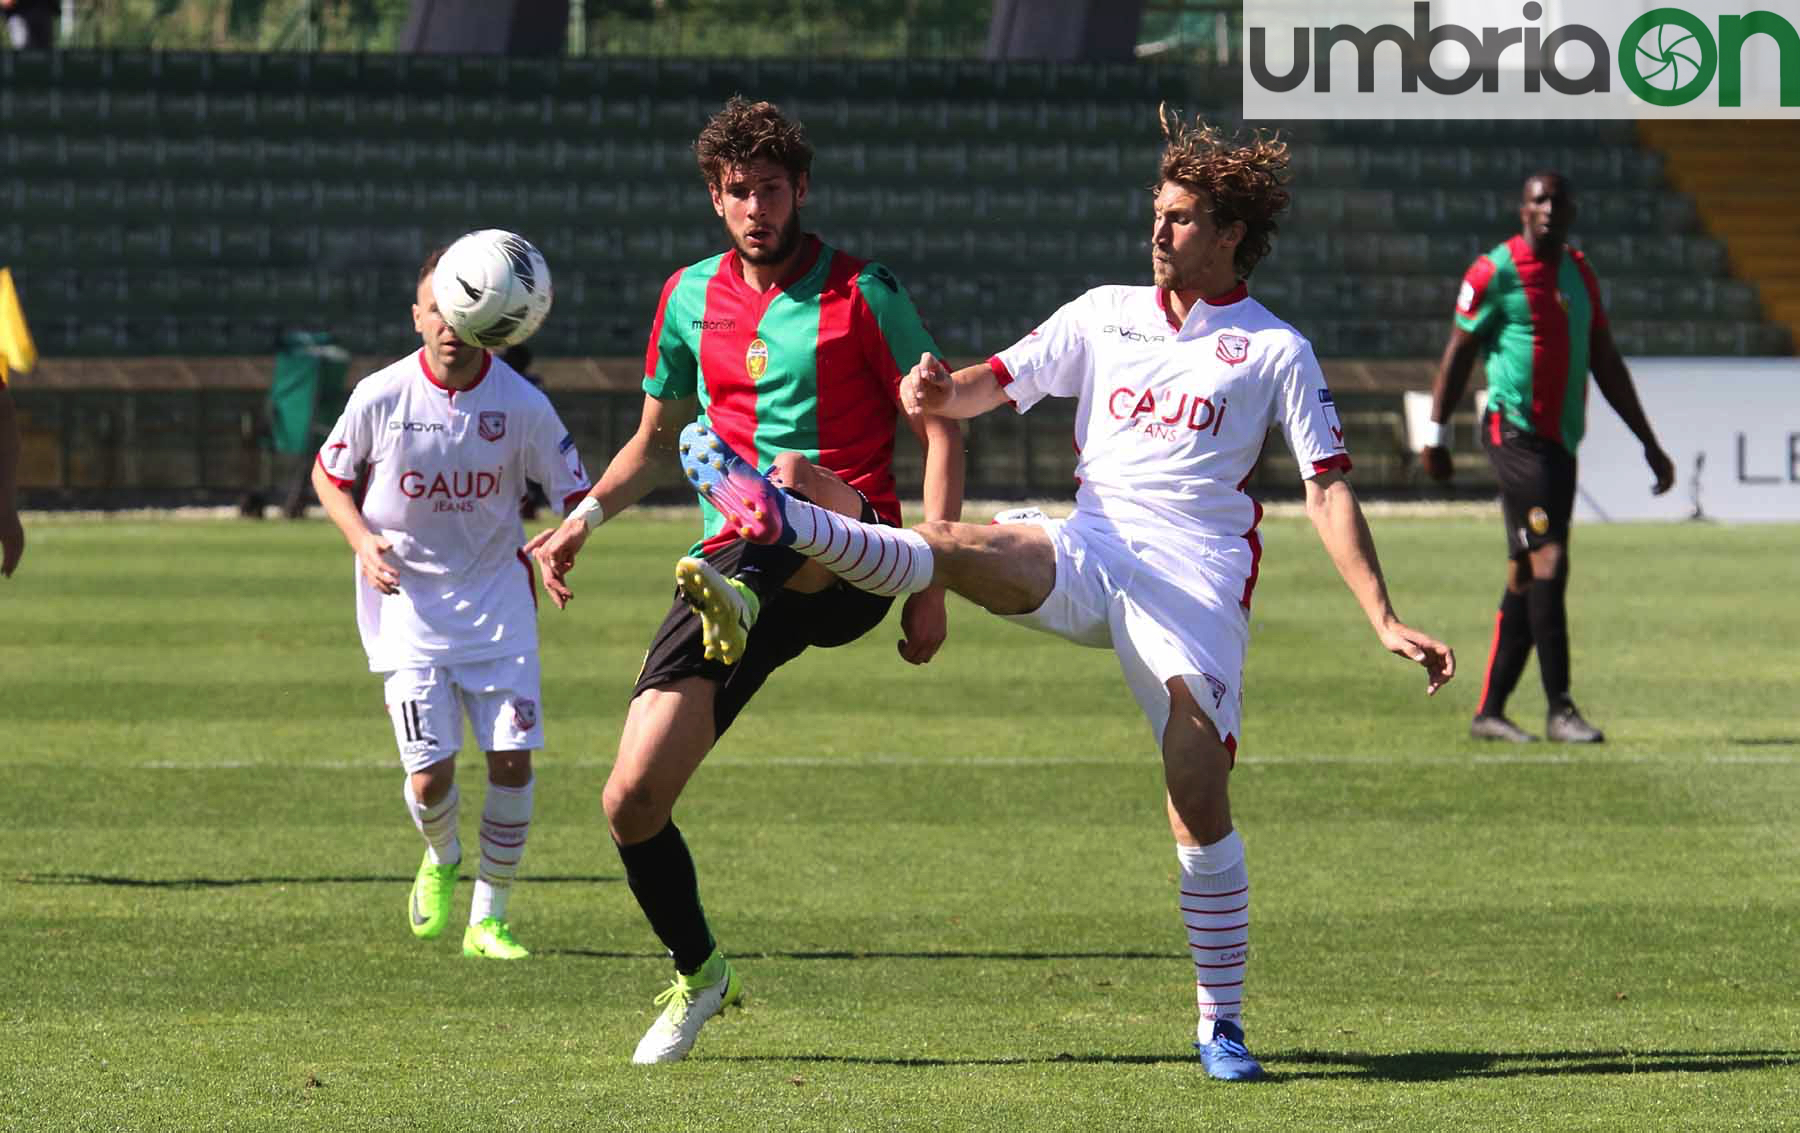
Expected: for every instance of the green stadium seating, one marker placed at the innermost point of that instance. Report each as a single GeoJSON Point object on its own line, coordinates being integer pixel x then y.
{"type": "Point", "coordinates": [193, 202]}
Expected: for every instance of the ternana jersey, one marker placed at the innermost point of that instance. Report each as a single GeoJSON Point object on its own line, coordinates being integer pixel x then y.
{"type": "Point", "coordinates": [1171, 418]}
{"type": "Point", "coordinates": [811, 366]}
{"type": "Point", "coordinates": [1535, 317]}
{"type": "Point", "coordinates": [447, 469]}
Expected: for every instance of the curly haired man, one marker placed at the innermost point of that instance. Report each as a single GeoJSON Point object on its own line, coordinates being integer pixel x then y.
{"type": "Point", "coordinates": [1177, 386]}
{"type": "Point", "coordinates": [794, 351]}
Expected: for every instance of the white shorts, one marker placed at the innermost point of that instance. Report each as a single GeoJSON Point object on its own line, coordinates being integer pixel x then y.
{"type": "Point", "coordinates": [427, 705]}
{"type": "Point", "coordinates": [1167, 610]}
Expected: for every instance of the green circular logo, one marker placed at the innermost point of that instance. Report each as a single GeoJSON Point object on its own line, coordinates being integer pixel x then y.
{"type": "Point", "coordinates": [1667, 57]}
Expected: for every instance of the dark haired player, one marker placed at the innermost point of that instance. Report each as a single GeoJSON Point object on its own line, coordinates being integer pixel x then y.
{"type": "Point", "coordinates": [794, 351]}
{"type": "Point", "coordinates": [1531, 308]}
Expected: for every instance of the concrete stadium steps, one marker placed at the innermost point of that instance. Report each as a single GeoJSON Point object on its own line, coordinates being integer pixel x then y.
{"type": "Point", "coordinates": [1744, 177]}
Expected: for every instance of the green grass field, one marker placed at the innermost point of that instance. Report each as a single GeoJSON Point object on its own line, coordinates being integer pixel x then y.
{"type": "Point", "coordinates": [950, 890]}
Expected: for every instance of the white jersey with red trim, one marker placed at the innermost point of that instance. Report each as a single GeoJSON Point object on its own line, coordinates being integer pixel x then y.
{"type": "Point", "coordinates": [447, 470]}
{"type": "Point", "coordinates": [1171, 419]}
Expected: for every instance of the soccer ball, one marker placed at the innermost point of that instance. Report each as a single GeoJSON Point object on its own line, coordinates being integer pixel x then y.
{"type": "Point", "coordinates": [492, 288]}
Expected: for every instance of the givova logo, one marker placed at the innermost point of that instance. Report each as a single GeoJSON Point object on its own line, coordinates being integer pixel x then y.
{"type": "Point", "coordinates": [1587, 59]}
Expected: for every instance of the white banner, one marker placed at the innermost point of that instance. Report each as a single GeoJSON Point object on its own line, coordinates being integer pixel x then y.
{"type": "Point", "coordinates": [1535, 60]}
{"type": "Point", "coordinates": [1732, 427]}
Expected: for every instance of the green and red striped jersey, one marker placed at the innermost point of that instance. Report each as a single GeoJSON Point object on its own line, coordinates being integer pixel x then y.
{"type": "Point", "coordinates": [1536, 317]}
{"type": "Point", "coordinates": [810, 366]}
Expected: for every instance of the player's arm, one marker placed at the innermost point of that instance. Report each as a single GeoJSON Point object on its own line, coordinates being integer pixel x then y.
{"type": "Point", "coordinates": [1447, 388]}
{"type": "Point", "coordinates": [931, 390]}
{"type": "Point", "coordinates": [1332, 506]}
{"type": "Point", "coordinates": [924, 623]}
{"type": "Point", "coordinates": [1615, 384]}
{"type": "Point", "coordinates": [1477, 315]}
{"type": "Point", "coordinates": [12, 532]}
{"type": "Point", "coordinates": [368, 545]}
{"type": "Point", "coordinates": [629, 476]}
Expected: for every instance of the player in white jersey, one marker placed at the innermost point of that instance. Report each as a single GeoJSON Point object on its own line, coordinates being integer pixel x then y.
{"type": "Point", "coordinates": [444, 596]}
{"type": "Point", "coordinates": [1177, 386]}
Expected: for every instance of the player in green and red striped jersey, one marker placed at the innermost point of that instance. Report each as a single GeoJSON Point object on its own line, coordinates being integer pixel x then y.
{"type": "Point", "coordinates": [1531, 308]}
{"type": "Point", "coordinates": [794, 351]}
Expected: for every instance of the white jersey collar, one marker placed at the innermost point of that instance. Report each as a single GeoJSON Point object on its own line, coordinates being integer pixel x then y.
{"type": "Point", "coordinates": [1204, 314]}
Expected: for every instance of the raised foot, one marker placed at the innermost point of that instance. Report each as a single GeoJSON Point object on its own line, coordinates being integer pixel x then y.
{"type": "Point", "coordinates": [750, 504]}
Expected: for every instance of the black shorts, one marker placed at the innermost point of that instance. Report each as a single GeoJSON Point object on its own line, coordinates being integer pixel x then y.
{"type": "Point", "coordinates": [788, 624]}
{"type": "Point", "coordinates": [1537, 485]}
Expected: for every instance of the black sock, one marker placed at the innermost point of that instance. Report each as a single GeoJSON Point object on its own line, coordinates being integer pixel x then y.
{"type": "Point", "coordinates": [1550, 631]}
{"type": "Point", "coordinates": [1512, 645]}
{"type": "Point", "coordinates": [660, 872]}
{"type": "Point", "coordinates": [766, 569]}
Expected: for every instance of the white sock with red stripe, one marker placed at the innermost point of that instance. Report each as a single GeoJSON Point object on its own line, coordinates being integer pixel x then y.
{"type": "Point", "coordinates": [869, 556]}
{"type": "Point", "coordinates": [505, 820]}
{"type": "Point", "coordinates": [1215, 907]}
{"type": "Point", "coordinates": [438, 824]}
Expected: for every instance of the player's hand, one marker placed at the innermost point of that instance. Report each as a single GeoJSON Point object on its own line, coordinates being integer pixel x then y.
{"type": "Point", "coordinates": [1438, 659]}
{"type": "Point", "coordinates": [926, 388]}
{"type": "Point", "coordinates": [925, 625]}
{"type": "Point", "coordinates": [1436, 462]}
{"type": "Point", "coordinates": [12, 541]}
{"type": "Point", "coordinates": [555, 550]}
{"type": "Point", "coordinates": [375, 568]}
{"type": "Point", "coordinates": [1663, 467]}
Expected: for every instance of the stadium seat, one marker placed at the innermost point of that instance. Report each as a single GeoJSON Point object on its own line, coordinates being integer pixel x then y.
{"type": "Point", "coordinates": [340, 115]}
{"type": "Point", "coordinates": [342, 72]}
{"type": "Point", "coordinates": [280, 112]}
{"type": "Point", "coordinates": [242, 245]}
{"type": "Point", "coordinates": [238, 73]}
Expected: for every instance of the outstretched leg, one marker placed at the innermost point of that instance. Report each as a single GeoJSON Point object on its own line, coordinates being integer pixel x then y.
{"type": "Point", "coordinates": [1004, 568]}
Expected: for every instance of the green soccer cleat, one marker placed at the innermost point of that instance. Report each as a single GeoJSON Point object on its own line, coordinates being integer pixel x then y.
{"type": "Point", "coordinates": [687, 1004]}
{"type": "Point", "coordinates": [428, 906]}
{"type": "Point", "coordinates": [727, 608]}
{"type": "Point", "coordinates": [492, 939]}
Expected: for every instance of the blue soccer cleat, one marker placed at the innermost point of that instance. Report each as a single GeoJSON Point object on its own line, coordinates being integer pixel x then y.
{"type": "Point", "coordinates": [1226, 1057]}
{"type": "Point", "coordinates": [746, 499]}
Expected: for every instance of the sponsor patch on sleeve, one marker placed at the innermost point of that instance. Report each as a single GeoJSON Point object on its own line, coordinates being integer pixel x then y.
{"type": "Point", "coordinates": [566, 444]}
{"type": "Point", "coordinates": [1324, 396]}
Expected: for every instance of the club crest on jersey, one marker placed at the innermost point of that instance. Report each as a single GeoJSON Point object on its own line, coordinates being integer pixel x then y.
{"type": "Point", "coordinates": [756, 359]}
{"type": "Point", "coordinates": [1233, 348]}
{"type": "Point", "coordinates": [1219, 688]}
{"type": "Point", "coordinates": [491, 425]}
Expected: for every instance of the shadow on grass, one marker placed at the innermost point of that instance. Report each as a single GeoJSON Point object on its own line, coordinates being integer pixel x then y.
{"type": "Point", "coordinates": [590, 954]}
{"type": "Point", "coordinates": [1417, 1066]}
{"type": "Point", "coordinates": [1765, 741]}
{"type": "Point", "coordinates": [1443, 1065]}
{"type": "Point", "coordinates": [122, 882]}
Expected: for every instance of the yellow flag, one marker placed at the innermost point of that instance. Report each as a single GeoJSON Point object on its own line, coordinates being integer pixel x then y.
{"type": "Point", "coordinates": [17, 351]}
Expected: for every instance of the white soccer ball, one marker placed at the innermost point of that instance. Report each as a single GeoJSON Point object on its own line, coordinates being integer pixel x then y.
{"type": "Point", "coordinates": [492, 288]}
